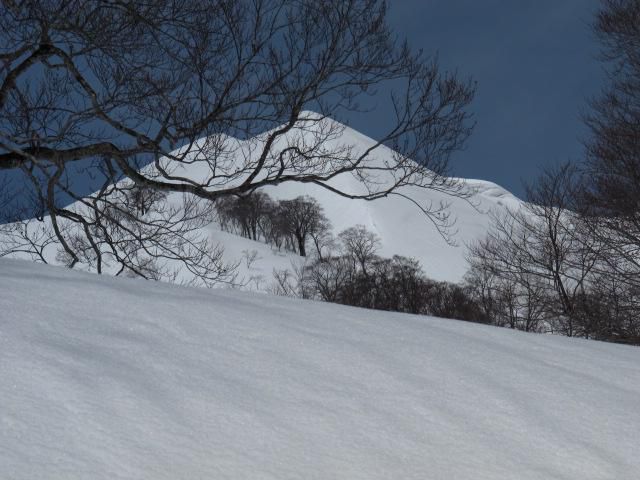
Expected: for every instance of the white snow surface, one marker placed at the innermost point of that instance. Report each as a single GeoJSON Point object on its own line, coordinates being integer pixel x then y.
{"type": "Point", "coordinates": [115, 378]}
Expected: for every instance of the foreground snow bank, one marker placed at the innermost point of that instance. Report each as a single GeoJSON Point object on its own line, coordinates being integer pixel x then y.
{"type": "Point", "coordinates": [113, 378]}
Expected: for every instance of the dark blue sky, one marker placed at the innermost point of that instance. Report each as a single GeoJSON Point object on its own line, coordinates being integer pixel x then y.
{"type": "Point", "coordinates": [535, 62]}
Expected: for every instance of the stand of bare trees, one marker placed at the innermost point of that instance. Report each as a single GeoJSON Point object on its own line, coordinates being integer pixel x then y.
{"type": "Point", "coordinates": [533, 269]}
{"type": "Point", "coordinates": [610, 199]}
{"type": "Point", "coordinates": [356, 275]}
{"type": "Point", "coordinates": [541, 269]}
{"type": "Point", "coordinates": [290, 224]}
{"type": "Point", "coordinates": [568, 262]}
{"type": "Point", "coordinates": [108, 87]}
{"type": "Point", "coordinates": [251, 216]}
{"type": "Point", "coordinates": [544, 268]}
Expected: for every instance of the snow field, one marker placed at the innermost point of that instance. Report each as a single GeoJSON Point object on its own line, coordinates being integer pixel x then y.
{"type": "Point", "coordinates": [126, 379]}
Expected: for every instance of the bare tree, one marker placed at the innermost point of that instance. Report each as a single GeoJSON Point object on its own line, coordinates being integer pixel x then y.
{"type": "Point", "coordinates": [142, 199]}
{"type": "Point", "coordinates": [292, 282]}
{"type": "Point", "coordinates": [330, 279]}
{"type": "Point", "coordinates": [111, 234]}
{"type": "Point", "coordinates": [540, 254]}
{"type": "Point", "coordinates": [361, 245]}
{"type": "Point", "coordinates": [611, 198]}
{"type": "Point", "coordinates": [20, 234]}
{"type": "Point", "coordinates": [482, 284]}
{"type": "Point", "coordinates": [285, 284]}
{"type": "Point", "coordinates": [301, 218]}
{"type": "Point", "coordinates": [611, 310]}
{"type": "Point", "coordinates": [110, 86]}
{"type": "Point", "coordinates": [322, 238]}
{"type": "Point", "coordinates": [508, 293]}
{"type": "Point", "coordinates": [249, 215]}
{"type": "Point", "coordinates": [289, 222]}
{"type": "Point", "coordinates": [29, 237]}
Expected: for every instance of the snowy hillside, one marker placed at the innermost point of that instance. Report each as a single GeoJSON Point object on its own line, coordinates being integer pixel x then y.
{"type": "Point", "coordinates": [115, 378]}
{"type": "Point", "coordinates": [402, 227]}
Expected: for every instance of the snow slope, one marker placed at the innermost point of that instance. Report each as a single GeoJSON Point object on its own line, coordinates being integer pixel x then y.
{"type": "Point", "coordinates": [403, 228]}
{"type": "Point", "coordinates": [117, 378]}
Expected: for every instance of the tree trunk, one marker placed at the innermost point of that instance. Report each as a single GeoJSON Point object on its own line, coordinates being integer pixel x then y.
{"type": "Point", "coordinates": [301, 241]}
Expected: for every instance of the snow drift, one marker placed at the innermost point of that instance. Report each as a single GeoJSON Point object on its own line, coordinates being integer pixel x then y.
{"type": "Point", "coordinates": [109, 378]}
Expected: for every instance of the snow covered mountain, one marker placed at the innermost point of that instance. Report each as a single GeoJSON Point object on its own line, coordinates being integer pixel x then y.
{"type": "Point", "coordinates": [108, 378]}
{"type": "Point", "coordinates": [402, 227]}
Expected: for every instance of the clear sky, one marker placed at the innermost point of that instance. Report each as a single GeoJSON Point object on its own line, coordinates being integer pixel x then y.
{"type": "Point", "coordinates": [535, 63]}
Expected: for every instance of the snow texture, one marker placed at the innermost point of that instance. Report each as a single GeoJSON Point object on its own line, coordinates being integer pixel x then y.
{"type": "Point", "coordinates": [111, 378]}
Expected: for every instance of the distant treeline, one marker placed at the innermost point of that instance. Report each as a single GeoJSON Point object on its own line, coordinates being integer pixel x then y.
{"type": "Point", "coordinates": [537, 270]}
{"type": "Point", "coordinates": [285, 224]}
